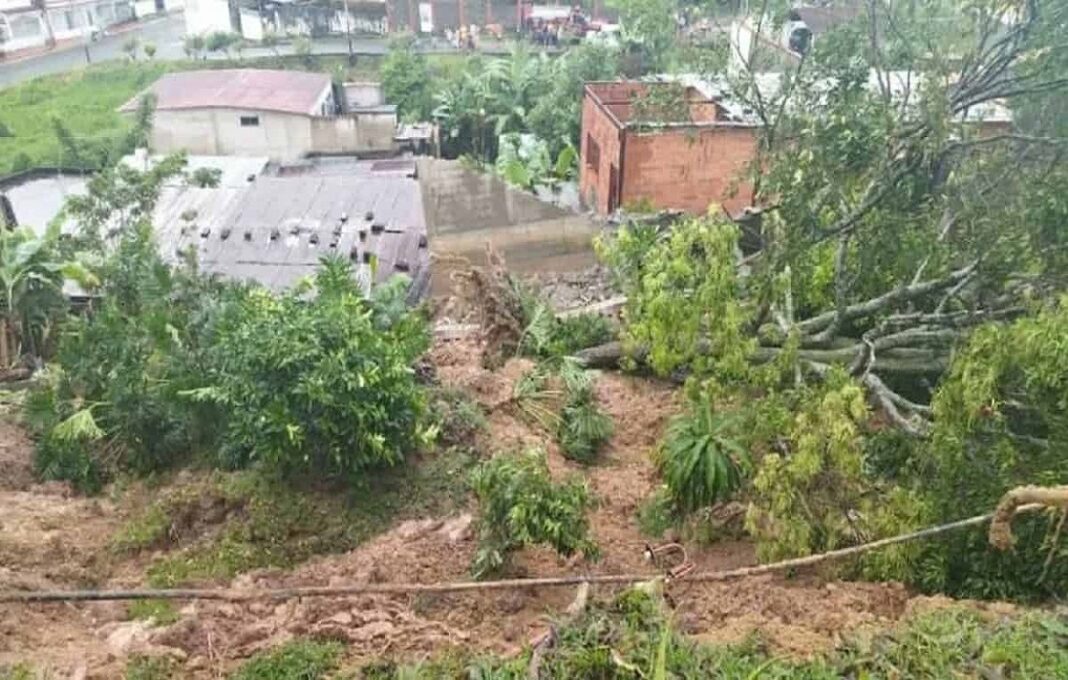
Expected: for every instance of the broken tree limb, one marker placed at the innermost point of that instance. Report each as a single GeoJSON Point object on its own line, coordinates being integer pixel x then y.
{"type": "Point", "coordinates": [549, 639]}
{"type": "Point", "coordinates": [901, 294]}
{"type": "Point", "coordinates": [1039, 496]}
{"type": "Point", "coordinates": [238, 595]}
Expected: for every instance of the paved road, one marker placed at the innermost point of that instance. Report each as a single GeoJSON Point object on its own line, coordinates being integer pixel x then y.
{"type": "Point", "coordinates": [165, 33]}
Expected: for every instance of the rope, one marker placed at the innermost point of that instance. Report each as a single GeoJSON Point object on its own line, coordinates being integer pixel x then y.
{"type": "Point", "coordinates": [467, 586]}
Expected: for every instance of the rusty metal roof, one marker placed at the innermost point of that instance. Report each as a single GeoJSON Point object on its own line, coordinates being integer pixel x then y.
{"type": "Point", "coordinates": [297, 92]}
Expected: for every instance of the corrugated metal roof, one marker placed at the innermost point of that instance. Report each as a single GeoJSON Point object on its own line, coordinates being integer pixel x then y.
{"type": "Point", "coordinates": [298, 92]}
{"type": "Point", "coordinates": [276, 230]}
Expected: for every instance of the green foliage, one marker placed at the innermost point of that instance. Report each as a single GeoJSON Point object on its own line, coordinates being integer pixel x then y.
{"type": "Point", "coordinates": [324, 385]}
{"type": "Point", "coordinates": [584, 429]}
{"type": "Point", "coordinates": [406, 82]}
{"type": "Point", "coordinates": [520, 505]}
{"type": "Point", "coordinates": [296, 660]}
{"type": "Point", "coordinates": [93, 93]}
{"type": "Point", "coordinates": [1001, 420]}
{"type": "Point", "coordinates": [18, 671]}
{"type": "Point", "coordinates": [697, 256]}
{"type": "Point", "coordinates": [32, 273]}
{"type": "Point", "coordinates": [817, 498]}
{"type": "Point", "coordinates": [456, 416]}
{"type": "Point", "coordinates": [5, 131]}
{"type": "Point", "coordinates": [221, 41]}
{"type": "Point", "coordinates": [649, 26]}
{"type": "Point", "coordinates": [230, 523]}
{"type": "Point", "coordinates": [523, 93]}
{"type": "Point", "coordinates": [159, 612]}
{"type": "Point", "coordinates": [150, 668]}
{"type": "Point", "coordinates": [205, 178]}
{"type": "Point", "coordinates": [631, 637]}
{"type": "Point", "coordinates": [701, 460]}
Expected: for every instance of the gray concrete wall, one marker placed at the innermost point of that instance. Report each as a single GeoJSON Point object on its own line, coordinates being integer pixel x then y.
{"type": "Point", "coordinates": [466, 209]}
{"type": "Point", "coordinates": [354, 133]}
{"type": "Point", "coordinates": [218, 132]}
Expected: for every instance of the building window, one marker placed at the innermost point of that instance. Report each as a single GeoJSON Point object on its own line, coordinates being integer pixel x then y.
{"type": "Point", "coordinates": [250, 121]}
{"type": "Point", "coordinates": [593, 153]}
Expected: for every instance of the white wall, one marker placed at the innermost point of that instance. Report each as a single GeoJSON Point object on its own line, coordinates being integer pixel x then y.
{"type": "Point", "coordinates": [251, 24]}
{"type": "Point", "coordinates": [207, 16]}
{"type": "Point", "coordinates": [23, 31]}
{"type": "Point", "coordinates": [72, 22]}
{"type": "Point", "coordinates": [218, 132]}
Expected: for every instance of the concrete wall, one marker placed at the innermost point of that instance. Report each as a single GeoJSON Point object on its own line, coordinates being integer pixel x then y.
{"type": "Point", "coordinates": [689, 168]}
{"type": "Point", "coordinates": [466, 209]}
{"type": "Point", "coordinates": [207, 16]}
{"type": "Point", "coordinates": [218, 132]}
{"type": "Point", "coordinates": [594, 173]}
{"type": "Point", "coordinates": [354, 133]}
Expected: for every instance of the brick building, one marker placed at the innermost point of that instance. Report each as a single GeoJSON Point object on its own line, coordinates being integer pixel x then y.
{"type": "Point", "coordinates": [676, 165]}
{"type": "Point", "coordinates": [631, 157]}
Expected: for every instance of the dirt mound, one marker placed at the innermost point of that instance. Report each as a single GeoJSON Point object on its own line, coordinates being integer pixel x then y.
{"type": "Point", "coordinates": [16, 456]}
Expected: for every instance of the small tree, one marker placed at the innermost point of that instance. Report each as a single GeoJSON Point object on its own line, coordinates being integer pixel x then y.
{"type": "Point", "coordinates": [149, 49]}
{"type": "Point", "coordinates": [520, 505]}
{"type": "Point", "coordinates": [193, 46]}
{"type": "Point", "coordinates": [205, 178]}
{"type": "Point", "coordinates": [221, 41]}
{"type": "Point", "coordinates": [130, 47]}
{"type": "Point", "coordinates": [302, 48]}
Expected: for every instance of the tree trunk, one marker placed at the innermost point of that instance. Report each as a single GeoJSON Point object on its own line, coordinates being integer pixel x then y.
{"type": "Point", "coordinates": [5, 350]}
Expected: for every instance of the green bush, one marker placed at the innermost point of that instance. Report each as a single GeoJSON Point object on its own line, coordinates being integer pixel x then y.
{"type": "Point", "coordinates": [818, 497]}
{"type": "Point", "coordinates": [584, 429]}
{"type": "Point", "coordinates": [296, 660]}
{"type": "Point", "coordinates": [520, 505]}
{"type": "Point", "coordinates": [456, 416]}
{"type": "Point", "coordinates": [701, 459]}
{"type": "Point", "coordinates": [324, 385]}
{"type": "Point", "coordinates": [1001, 420]}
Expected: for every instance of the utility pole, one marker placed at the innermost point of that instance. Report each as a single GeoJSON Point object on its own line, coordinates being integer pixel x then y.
{"type": "Point", "coordinates": [348, 29]}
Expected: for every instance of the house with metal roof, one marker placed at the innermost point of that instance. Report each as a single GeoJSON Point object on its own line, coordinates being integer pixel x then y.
{"type": "Point", "coordinates": [283, 115]}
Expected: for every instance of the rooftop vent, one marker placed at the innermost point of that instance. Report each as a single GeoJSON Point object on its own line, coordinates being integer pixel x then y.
{"type": "Point", "coordinates": [225, 233]}
{"type": "Point", "coordinates": [275, 234]}
{"type": "Point", "coordinates": [205, 232]}
{"type": "Point", "coordinates": [295, 229]}
{"type": "Point", "coordinates": [401, 266]}
{"type": "Point", "coordinates": [369, 215]}
{"type": "Point", "coordinates": [354, 253]}
{"type": "Point", "coordinates": [367, 254]}
{"type": "Point", "coordinates": [377, 228]}
{"type": "Point", "coordinates": [344, 217]}
{"type": "Point", "coordinates": [422, 241]}
{"type": "Point", "coordinates": [248, 234]}
{"type": "Point", "coordinates": [313, 239]}
{"type": "Point", "coordinates": [363, 235]}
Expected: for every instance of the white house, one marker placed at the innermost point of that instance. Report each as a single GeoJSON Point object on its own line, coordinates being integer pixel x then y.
{"type": "Point", "coordinates": [283, 115]}
{"type": "Point", "coordinates": [30, 24]}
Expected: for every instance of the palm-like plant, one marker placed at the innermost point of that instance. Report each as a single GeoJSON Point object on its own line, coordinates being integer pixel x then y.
{"type": "Point", "coordinates": [31, 278]}
{"type": "Point", "coordinates": [701, 461]}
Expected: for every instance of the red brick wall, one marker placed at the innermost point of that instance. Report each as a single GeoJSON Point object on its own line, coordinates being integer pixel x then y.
{"type": "Point", "coordinates": [689, 168]}
{"type": "Point", "coordinates": [593, 179]}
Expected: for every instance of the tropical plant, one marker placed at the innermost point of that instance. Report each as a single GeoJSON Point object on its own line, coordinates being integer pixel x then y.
{"type": "Point", "coordinates": [520, 506]}
{"type": "Point", "coordinates": [584, 429]}
{"type": "Point", "coordinates": [32, 274]}
{"type": "Point", "coordinates": [406, 81]}
{"type": "Point", "coordinates": [205, 178]}
{"type": "Point", "coordinates": [193, 46]}
{"type": "Point", "coordinates": [149, 49]}
{"type": "Point", "coordinates": [701, 460]}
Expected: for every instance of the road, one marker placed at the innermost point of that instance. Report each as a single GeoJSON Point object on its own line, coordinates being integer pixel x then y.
{"type": "Point", "coordinates": [165, 33]}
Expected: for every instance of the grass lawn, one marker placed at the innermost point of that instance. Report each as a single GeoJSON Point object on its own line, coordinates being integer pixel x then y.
{"type": "Point", "coordinates": [84, 100]}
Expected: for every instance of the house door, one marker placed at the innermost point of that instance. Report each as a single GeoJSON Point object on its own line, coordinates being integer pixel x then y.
{"type": "Point", "coordinates": [613, 188]}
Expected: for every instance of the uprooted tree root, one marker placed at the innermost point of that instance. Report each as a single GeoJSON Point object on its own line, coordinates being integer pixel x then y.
{"type": "Point", "coordinates": [1001, 525]}
{"type": "Point", "coordinates": [500, 310]}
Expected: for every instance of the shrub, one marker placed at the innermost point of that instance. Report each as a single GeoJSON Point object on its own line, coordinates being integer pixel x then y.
{"type": "Point", "coordinates": [520, 505]}
{"type": "Point", "coordinates": [456, 416]}
{"type": "Point", "coordinates": [584, 429]}
{"type": "Point", "coordinates": [296, 660]}
{"type": "Point", "coordinates": [1001, 420]}
{"type": "Point", "coordinates": [579, 331]}
{"type": "Point", "coordinates": [205, 178]}
{"type": "Point", "coordinates": [818, 498]}
{"type": "Point", "coordinates": [700, 459]}
{"type": "Point", "coordinates": [324, 385]}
